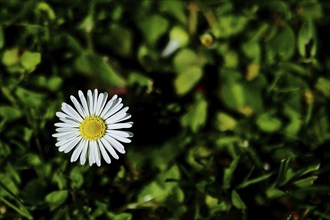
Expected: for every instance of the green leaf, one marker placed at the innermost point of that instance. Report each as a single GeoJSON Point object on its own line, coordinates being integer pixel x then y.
{"type": "Point", "coordinates": [20, 209]}
{"type": "Point", "coordinates": [225, 122]}
{"type": "Point", "coordinates": [285, 173]}
{"type": "Point", "coordinates": [253, 96]}
{"type": "Point", "coordinates": [10, 57]}
{"type": "Point", "coordinates": [29, 98]}
{"type": "Point", "coordinates": [318, 131]}
{"type": "Point", "coordinates": [121, 216]}
{"type": "Point", "coordinates": [237, 201]}
{"type": "Point", "coordinates": [30, 60]}
{"type": "Point", "coordinates": [10, 113]}
{"type": "Point", "coordinates": [196, 116]}
{"type": "Point", "coordinates": [34, 192]}
{"type": "Point", "coordinates": [307, 40]}
{"type": "Point", "coordinates": [139, 79]}
{"type": "Point", "coordinates": [309, 170]}
{"type": "Point", "coordinates": [231, 59]}
{"type": "Point", "coordinates": [217, 206]}
{"type": "Point", "coordinates": [229, 172]}
{"type": "Point", "coordinates": [33, 159]}
{"type": "Point", "coordinates": [8, 185]}
{"type": "Point", "coordinates": [153, 27]}
{"type": "Point", "coordinates": [186, 80]}
{"type": "Point", "coordinates": [179, 35]}
{"type": "Point", "coordinates": [211, 201]}
{"type": "Point", "coordinates": [56, 198]}
{"type": "Point", "coordinates": [54, 83]}
{"type": "Point", "coordinates": [87, 24]}
{"type": "Point", "coordinates": [27, 134]}
{"type": "Point", "coordinates": [274, 193]}
{"type": "Point", "coordinates": [121, 40]}
{"type": "Point", "coordinates": [231, 25]}
{"type": "Point", "coordinates": [311, 9]}
{"type": "Point", "coordinates": [252, 50]}
{"type": "Point", "coordinates": [323, 85]}
{"type": "Point", "coordinates": [280, 7]}
{"type": "Point", "coordinates": [284, 43]}
{"type": "Point", "coordinates": [159, 190]}
{"type": "Point", "coordinates": [232, 94]}
{"type": "Point", "coordinates": [197, 156]}
{"type": "Point", "coordinates": [295, 122]}
{"type": "Point", "coordinates": [44, 7]}
{"type": "Point", "coordinates": [163, 155]}
{"type": "Point", "coordinates": [306, 182]}
{"type": "Point", "coordinates": [71, 42]}
{"type": "Point", "coordinates": [255, 180]}
{"type": "Point", "coordinates": [2, 38]}
{"type": "Point", "coordinates": [76, 177]}
{"type": "Point", "coordinates": [175, 8]}
{"type": "Point", "coordinates": [188, 66]}
{"type": "Point", "coordinates": [184, 59]}
{"type": "Point", "coordinates": [268, 123]}
{"type": "Point", "coordinates": [92, 64]}
{"type": "Point", "coordinates": [294, 68]}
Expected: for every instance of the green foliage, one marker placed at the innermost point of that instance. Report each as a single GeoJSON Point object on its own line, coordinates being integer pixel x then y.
{"type": "Point", "coordinates": [230, 103]}
{"type": "Point", "coordinates": [56, 198]}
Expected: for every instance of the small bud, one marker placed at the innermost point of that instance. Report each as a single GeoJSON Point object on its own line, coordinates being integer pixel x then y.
{"type": "Point", "coordinates": [309, 97]}
{"type": "Point", "coordinates": [252, 71]}
{"type": "Point", "coordinates": [207, 39]}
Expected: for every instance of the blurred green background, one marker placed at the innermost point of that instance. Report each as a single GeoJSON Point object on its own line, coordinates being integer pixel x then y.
{"type": "Point", "coordinates": [229, 98]}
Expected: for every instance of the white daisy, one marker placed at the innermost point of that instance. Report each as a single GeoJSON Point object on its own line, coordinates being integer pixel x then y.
{"type": "Point", "coordinates": [92, 127]}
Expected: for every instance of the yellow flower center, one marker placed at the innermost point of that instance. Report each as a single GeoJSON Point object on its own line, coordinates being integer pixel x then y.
{"type": "Point", "coordinates": [92, 128]}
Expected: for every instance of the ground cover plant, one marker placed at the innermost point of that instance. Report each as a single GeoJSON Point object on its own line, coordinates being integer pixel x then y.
{"type": "Point", "coordinates": [229, 100]}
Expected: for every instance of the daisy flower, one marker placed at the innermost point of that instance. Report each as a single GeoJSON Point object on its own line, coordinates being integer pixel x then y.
{"type": "Point", "coordinates": [92, 127]}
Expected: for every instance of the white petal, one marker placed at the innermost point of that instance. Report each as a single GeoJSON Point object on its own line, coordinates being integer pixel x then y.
{"type": "Point", "coordinates": [120, 125]}
{"type": "Point", "coordinates": [112, 111]}
{"type": "Point", "coordinates": [108, 146]}
{"type": "Point", "coordinates": [120, 138]}
{"type": "Point", "coordinates": [66, 145]}
{"type": "Point", "coordinates": [104, 152]}
{"type": "Point", "coordinates": [60, 134]}
{"type": "Point", "coordinates": [116, 144]}
{"type": "Point", "coordinates": [73, 145]}
{"type": "Point", "coordinates": [66, 129]}
{"type": "Point", "coordinates": [97, 155]}
{"type": "Point", "coordinates": [90, 101]}
{"type": "Point", "coordinates": [103, 102]}
{"type": "Point", "coordinates": [62, 115]}
{"type": "Point", "coordinates": [70, 124]}
{"type": "Point", "coordinates": [69, 146]}
{"type": "Point", "coordinates": [84, 152]}
{"type": "Point", "coordinates": [95, 101]}
{"type": "Point", "coordinates": [71, 112]}
{"type": "Point", "coordinates": [90, 154]}
{"type": "Point", "coordinates": [69, 120]}
{"type": "Point", "coordinates": [125, 134]}
{"type": "Point", "coordinates": [108, 106]}
{"type": "Point", "coordinates": [99, 103]}
{"type": "Point", "coordinates": [83, 102]}
{"type": "Point", "coordinates": [60, 143]}
{"type": "Point", "coordinates": [119, 115]}
{"type": "Point", "coordinates": [172, 46]}
{"type": "Point", "coordinates": [127, 116]}
{"type": "Point", "coordinates": [76, 153]}
{"type": "Point", "coordinates": [65, 137]}
{"type": "Point", "coordinates": [78, 106]}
